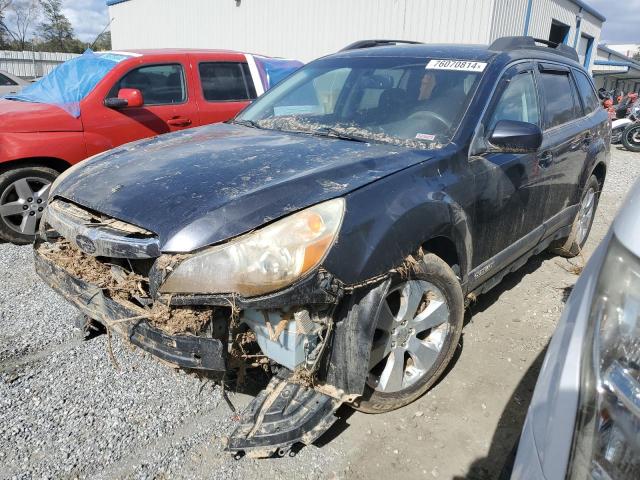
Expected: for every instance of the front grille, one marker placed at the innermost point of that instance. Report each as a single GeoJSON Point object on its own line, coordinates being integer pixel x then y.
{"type": "Point", "coordinates": [98, 235]}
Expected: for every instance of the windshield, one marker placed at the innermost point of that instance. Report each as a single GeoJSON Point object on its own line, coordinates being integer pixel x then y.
{"type": "Point", "coordinates": [69, 83]}
{"type": "Point", "coordinates": [404, 101]}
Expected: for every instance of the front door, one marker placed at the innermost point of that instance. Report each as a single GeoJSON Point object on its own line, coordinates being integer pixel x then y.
{"type": "Point", "coordinates": [505, 214]}
{"type": "Point", "coordinates": [168, 106]}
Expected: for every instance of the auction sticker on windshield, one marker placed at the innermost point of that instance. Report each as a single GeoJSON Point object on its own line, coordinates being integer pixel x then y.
{"type": "Point", "coordinates": [462, 65]}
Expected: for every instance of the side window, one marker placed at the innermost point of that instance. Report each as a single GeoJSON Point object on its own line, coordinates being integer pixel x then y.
{"type": "Point", "coordinates": [226, 82]}
{"type": "Point", "coordinates": [6, 81]}
{"type": "Point", "coordinates": [560, 99]}
{"type": "Point", "coordinates": [518, 102]}
{"type": "Point", "coordinates": [159, 84]}
{"type": "Point", "coordinates": [588, 95]}
{"type": "Point", "coordinates": [316, 97]}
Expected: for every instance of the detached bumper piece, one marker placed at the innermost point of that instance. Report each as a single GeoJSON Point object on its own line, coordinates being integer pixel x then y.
{"type": "Point", "coordinates": [186, 351]}
{"type": "Point", "coordinates": [282, 416]}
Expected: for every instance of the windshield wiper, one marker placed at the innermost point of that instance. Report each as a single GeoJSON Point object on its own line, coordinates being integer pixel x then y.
{"type": "Point", "coordinates": [245, 123]}
{"type": "Point", "coordinates": [336, 133]}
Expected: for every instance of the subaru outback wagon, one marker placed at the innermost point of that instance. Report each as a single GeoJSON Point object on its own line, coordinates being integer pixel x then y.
{"type": "Point", "coordinates": [334, 231]}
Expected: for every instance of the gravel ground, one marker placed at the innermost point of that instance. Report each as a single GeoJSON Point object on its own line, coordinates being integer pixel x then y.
{"type": "Point", "coordinates": [66, 411]}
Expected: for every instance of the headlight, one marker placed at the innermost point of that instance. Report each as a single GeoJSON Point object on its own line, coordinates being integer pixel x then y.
{"type": "Point", "coordinates": [265, 260]}
{"type": "Point", "coordinates": [607, 436]}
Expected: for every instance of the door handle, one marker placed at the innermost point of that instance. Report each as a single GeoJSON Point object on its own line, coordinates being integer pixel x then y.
{"type": "Point", "coordinates": [179, 122]}
{"type": "Point", "coordinates": [545, 160]}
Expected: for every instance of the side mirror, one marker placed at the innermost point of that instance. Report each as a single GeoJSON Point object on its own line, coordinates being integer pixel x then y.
{"type": "Point", "coordinates": [127, 97]}
{"type": "Point", "coordinates": [510, 136]}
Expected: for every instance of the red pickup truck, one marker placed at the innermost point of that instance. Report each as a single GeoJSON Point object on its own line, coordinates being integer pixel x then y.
{"type": "Point", "coordinates": [99, 101]}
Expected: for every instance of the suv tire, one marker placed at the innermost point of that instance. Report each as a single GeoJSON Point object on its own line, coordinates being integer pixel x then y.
{"type": "Point", "coordinates": [440, 303]}
{"type": "Point", "coordinates": [23, 197]}
{"type": "Point", "coordinates": [571, 246]}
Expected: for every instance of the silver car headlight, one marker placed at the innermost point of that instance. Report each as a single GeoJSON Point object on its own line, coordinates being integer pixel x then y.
{"type": "Point", "coordinates": [265, 260]}
{"type": "Point", "coordinates": [607, 435]}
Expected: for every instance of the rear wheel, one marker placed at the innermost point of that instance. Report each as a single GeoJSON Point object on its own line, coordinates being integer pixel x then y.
{"type": "Point", "coordinates": [631, 138]}
{"type": "Point", "coordinates": [23, 197]}
{"type": "Point", "coordinates": [418, 327]}
{"type": "Point", "coordinates": [572, 245]}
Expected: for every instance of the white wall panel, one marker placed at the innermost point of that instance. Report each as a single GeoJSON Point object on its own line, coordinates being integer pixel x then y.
{"type": "Point", "coordinates": [31, 64]}
{"type": "Point", "coordinates": [306, 29]}
{"type": "Point", "coordinates": [303, 29]}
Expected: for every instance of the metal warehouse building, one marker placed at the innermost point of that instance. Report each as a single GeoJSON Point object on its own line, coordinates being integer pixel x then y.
{"type": "Point", "coordinates": [613, 70]}
{"type": "Point", "coordinates": [307, 29]}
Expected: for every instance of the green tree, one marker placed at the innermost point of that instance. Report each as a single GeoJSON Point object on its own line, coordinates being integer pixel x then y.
{"type": "Point", "coordinates": [4, 34]}
{"type": "Point", "coordinates": [17, 18]}
{"type": "Point", "coordinates": [56, 30]}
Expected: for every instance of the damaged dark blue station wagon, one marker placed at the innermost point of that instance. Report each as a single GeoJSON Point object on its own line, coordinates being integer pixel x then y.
{"type": "Point", "coordinates": [333, 233]}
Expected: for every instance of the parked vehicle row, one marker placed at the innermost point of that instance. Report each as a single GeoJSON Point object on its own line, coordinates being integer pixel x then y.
{"type": "Point", "coordinates": [334, 231]}
{"type": "Point", "coordinates": [116, 98]}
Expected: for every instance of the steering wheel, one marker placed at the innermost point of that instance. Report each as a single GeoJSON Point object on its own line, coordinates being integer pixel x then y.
{"type": "Point", "coordinates": [426, 115]}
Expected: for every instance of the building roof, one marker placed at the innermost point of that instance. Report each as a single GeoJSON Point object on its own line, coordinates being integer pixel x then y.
{"type": "Point", "coordinates": [590, 10]}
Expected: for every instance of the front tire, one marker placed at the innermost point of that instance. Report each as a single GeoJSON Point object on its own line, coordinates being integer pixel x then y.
{"type": "Point", "coordinates": [631, 138]}
{"type": "Point", "coordinates": [417, 332]}
{"type": "Point", "coordinates": [23, 196]}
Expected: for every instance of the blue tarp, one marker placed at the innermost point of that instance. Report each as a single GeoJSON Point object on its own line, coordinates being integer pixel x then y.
{"type": "Point", "coordinates": [70, 82]}
{"type": "Point", "coordinates": [274, 70]}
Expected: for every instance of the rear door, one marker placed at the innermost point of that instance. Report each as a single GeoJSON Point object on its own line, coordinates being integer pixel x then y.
{"type": "Point", "coordinates": [168, 105]}
{"type": "Point", "coordinates": [566, 138]}
{"type": "Point", "coordinates": [224, 87]}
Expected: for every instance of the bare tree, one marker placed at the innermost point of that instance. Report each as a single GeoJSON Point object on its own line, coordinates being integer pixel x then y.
{"type": "Point", "coordinates": [23, 14]}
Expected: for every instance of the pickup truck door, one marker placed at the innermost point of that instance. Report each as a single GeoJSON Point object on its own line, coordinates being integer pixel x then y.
{"type": "Point", "coordinates": [224, 87]}
{"type": "Point", "coordinates": [169, 105]}
{"type": "Point", "coordinates": [507, 195]}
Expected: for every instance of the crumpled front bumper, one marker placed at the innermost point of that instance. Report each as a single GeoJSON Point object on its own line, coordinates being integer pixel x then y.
{"type": "Point", "coordinates": [186, 351]}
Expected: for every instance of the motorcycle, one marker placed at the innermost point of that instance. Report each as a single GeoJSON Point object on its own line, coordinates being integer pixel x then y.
{"type": "Point", "coordinates": [631, 134]}
{"type": "Point", "coordinates": [623, 116]}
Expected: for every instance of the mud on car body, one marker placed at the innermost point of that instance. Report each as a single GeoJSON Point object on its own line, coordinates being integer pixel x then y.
{"type": "Point", "coordinates": [334, 231]}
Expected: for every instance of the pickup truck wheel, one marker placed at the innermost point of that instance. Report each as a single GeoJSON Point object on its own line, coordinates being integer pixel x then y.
{"type": "Point", "coordinates": [23, 197]}
{"type": "Point", "coordinates": [572, 245]}
{"type": "Point", "coordinates": [417, 331]}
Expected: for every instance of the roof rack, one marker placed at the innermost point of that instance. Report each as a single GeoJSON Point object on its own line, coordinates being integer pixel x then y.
{"type": "Point", "coordinates": [506, 44]}
{"type": "Point", "coordinates": [377, 43]}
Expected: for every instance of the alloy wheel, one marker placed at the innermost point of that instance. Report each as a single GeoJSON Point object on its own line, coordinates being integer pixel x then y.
{"type": "Point", "coordinates": [411, 331]}
{"type": "Point", "coordinates": [22, 204]}
{"type": "Point", "coordinates": [585, 215]}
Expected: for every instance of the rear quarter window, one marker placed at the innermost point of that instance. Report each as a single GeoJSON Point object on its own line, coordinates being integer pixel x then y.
{"type": "Point", "coordinates": [226, 82]}
{"type": "Point", "coordinates": [587, 93]}
{"type": "Point", "coordinates": [561, 101]}
{"type": "Point", "coordinates": [6, 81]}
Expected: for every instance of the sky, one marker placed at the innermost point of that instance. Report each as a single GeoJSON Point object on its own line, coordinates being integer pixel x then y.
{"type": "Point", "coordinates": [89, 17]}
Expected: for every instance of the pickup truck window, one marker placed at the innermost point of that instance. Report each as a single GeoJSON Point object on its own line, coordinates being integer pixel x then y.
{"type": "Point", "coordinates": [560, 99]}
{"type": "Point", "coordinates": [588, 95]}
{"type": "Point", "coordinates": [518, 102]}
{"type": "Point", "coordinates": [159, 84]}
{"type": "Point", "coordinates": [6, 81]}
{"type": "Point", "coordinates": [226, 82]}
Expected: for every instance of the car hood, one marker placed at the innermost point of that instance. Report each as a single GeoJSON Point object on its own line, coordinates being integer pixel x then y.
{"type": "Point", "coordinates": [202, 186]}
{"type": "Point", "coordinates": [28, 117]}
